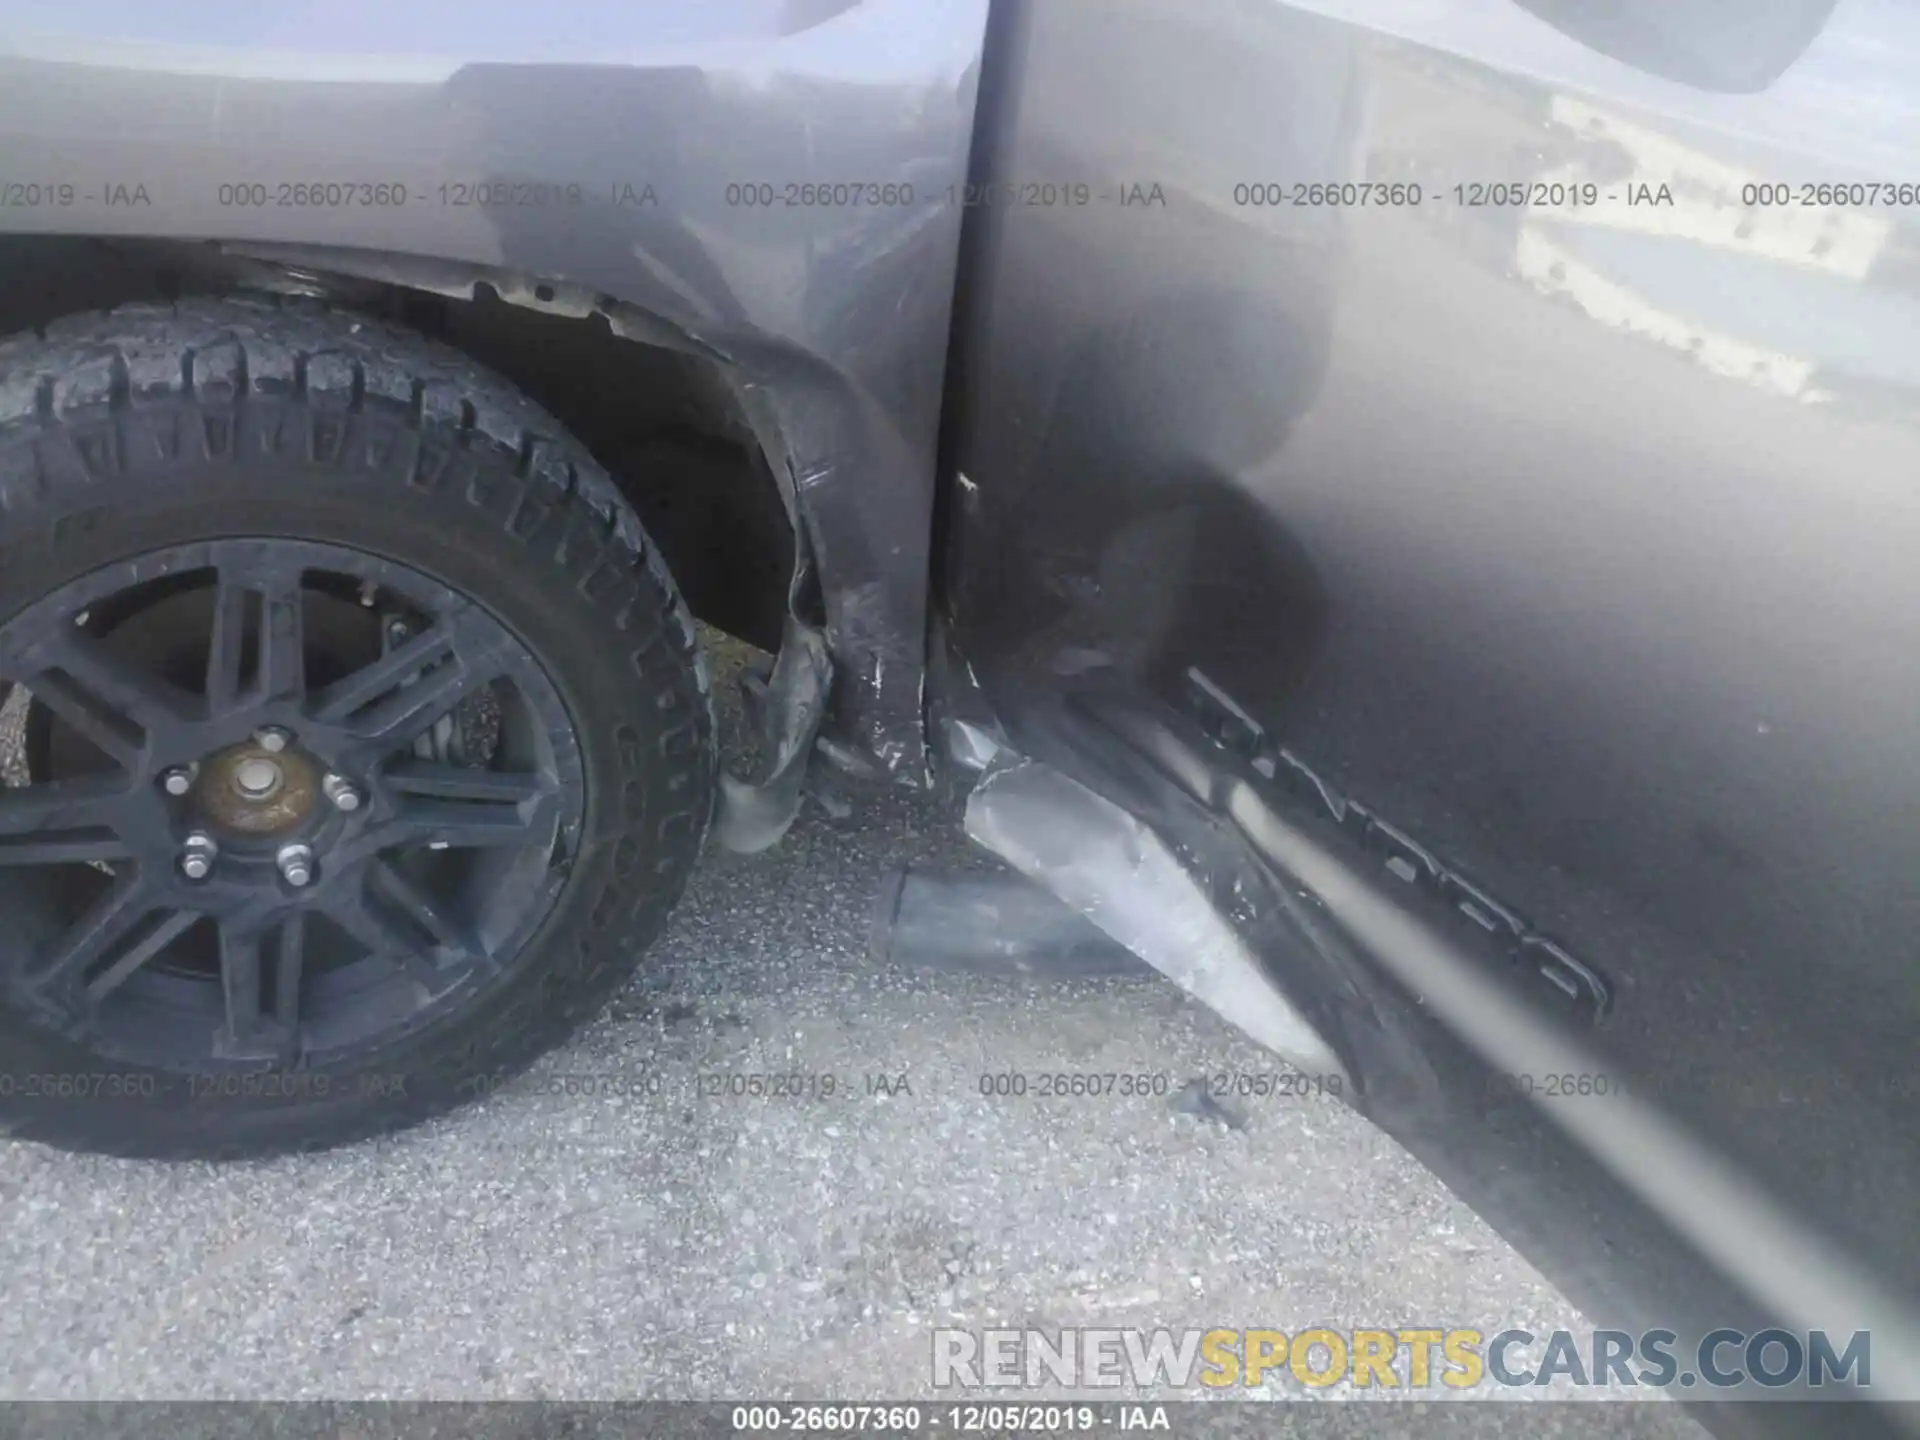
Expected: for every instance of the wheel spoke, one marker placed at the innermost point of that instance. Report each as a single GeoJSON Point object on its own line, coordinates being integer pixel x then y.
{"type": "Point", "coordinates": [283, 643]}
{"type": "Point", "coordinates": [240, 981]}
{"type": "Point", "coordinates": [414, 709]}
{"type": "Point", "coordinates": [470, 825]}
{"type": "Point", "coordinates": [114, 704]}
{"type": "Point", "coordinates": [227, 648]}
{"type": "Point", "coordinates": [462, 782]}
{"type": "Point", "coordinates": [339, 701]}
{"type": "Point", "coordinates": [274, 606]}
{"type": "Point", "coordinates": [169, 929]}
{"type": "Point", "coordinates": [376, 928]}
{"type": "Point", "coordinates": [113, 927]}
{"type": "Point", "coordinates": [251, 1031]}
{"type": "Point", "coordinates": [103, 923]}
{"type": "Point", "coordinates": [415, 905]}
{"type": "Point", "coordinates": [62, 822]}
{"type": "Point", "coordinates": [289, 964]}
{"type": "Point", "coordinates": [507, 810]}
{"type": "Point", "coordinates": [394, 700]}
{"type": "Point", "coordinates": [64, 847]}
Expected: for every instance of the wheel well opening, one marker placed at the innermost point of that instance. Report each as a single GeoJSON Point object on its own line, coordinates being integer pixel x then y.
{"type": "Point", "coordinates": [665, 424]}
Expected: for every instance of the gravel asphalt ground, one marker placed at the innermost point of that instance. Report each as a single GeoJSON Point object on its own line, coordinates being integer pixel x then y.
{"type": "Point", "coordinates": [650, 1239]}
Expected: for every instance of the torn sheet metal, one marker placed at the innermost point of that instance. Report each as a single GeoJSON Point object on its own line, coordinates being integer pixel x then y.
{"type": "Point", "coordinates": [769, 185]}
{"type": "Point", "coordinates": [1107, 864]}
{"type": "Point", "coordinates": [790, 707]}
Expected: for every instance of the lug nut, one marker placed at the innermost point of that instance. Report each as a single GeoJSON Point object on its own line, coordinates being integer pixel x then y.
{"type": "Point", "coordinates": [341, 793]}
{"type": "Point", "coordinates": [198, 855]}
{"type": "Point", "coordinates": [272, 739]}
{"type": "Point", "coordinates": [296, 864]}
{"type": "Point", "coordinates": [177, 781]}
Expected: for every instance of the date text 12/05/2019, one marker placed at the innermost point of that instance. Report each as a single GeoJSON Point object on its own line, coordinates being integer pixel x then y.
{"type": "Point", "coordinates": [965, 1419]}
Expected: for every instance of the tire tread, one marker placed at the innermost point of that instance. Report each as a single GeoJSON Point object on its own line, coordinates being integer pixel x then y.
{"type": "Point", "coordinates": [544, 491]}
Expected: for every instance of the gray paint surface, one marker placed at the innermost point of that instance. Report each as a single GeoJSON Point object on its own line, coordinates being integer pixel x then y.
{"type": "Point", "coordinates": [595, 149]}
{"type": "Point", "coordinates": [1573, 543]}
{"type": "Point", "coordinates": [1576, 544]}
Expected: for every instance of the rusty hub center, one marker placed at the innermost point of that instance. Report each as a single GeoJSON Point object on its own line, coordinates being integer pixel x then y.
{"type": "Point", "coordinates": [255, 792]}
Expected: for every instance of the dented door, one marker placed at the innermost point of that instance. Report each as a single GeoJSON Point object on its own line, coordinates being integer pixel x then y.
{"type": "Point", "coordinates": [1509, 435]}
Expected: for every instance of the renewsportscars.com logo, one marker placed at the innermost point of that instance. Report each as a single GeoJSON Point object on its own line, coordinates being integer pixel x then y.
{"type": "Point", "coordinates": [1417, 1358]}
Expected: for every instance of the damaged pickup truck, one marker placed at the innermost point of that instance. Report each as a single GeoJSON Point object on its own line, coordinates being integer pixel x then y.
{"type": "Point", "coordinates": [1404, 517]}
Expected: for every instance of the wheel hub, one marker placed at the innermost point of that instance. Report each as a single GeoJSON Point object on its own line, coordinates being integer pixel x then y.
{"type": "Point", "coordinates": [257, 779]}
{"type": "Point", "coordinates": [250, 791]}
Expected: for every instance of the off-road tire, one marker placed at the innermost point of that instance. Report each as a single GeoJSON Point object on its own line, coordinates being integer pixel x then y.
{"type": "Point", "coordinates": [165, 424]}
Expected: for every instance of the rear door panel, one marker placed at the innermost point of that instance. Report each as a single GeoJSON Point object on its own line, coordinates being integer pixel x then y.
{"type": "Point", "coordinates": [1562, 511]}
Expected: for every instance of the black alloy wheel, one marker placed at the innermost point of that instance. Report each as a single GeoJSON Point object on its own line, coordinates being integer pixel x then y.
{"type": "Point", "coordinates": [323, 807]}
{"type": "Point", "coordinates": [275, 837]}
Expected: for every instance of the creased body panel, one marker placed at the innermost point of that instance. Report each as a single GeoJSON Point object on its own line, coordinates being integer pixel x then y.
{"type": "Point", "coordinates": [771, 179]}
{"type": "Point", "coordinates": [1520, 450]}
